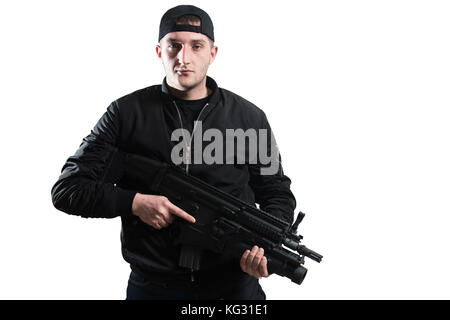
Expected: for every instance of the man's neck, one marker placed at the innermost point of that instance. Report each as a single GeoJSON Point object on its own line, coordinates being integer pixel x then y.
{"type": "Point", "coordinates": [197, 93]}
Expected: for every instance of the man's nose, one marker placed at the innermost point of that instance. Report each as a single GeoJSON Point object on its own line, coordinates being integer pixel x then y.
{"type": "Point", "coordinates": [184, 55]}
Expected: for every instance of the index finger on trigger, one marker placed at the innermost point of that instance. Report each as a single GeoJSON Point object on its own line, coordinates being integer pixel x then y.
{"type": "Point", "coordinates": [181, 213]}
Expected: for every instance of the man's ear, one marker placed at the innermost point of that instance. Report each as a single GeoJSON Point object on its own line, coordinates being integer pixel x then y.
{"type": "Point", "coordinates": [158, 51]}
{"type": "Point", "coordinates": [213, 54]}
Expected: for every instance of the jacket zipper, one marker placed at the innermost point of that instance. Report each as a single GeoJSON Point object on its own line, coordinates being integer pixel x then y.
{"type": "Point", "coordinates": [188, 148]}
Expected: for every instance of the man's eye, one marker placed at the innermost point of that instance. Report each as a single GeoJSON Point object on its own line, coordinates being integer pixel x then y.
{"type": "Point", "coordinates": [197, 47]}
{"type": "Point", "coordinates": [174, 46]}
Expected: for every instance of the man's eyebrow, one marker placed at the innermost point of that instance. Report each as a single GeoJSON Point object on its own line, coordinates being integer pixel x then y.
{"type": "Point", "coordinates": [195, 40]}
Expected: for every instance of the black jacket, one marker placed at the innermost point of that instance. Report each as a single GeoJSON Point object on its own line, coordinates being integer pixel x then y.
{"type": "Point", "coordinates": [142, 122]}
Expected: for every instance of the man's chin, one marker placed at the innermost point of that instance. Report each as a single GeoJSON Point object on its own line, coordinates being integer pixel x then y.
{"type": "Point", "coordinates": [184, 83]}
{"type": "Point", "coordinates": [187, 84]}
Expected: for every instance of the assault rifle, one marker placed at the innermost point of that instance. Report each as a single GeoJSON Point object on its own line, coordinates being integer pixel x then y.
{"type": "Point", "coordinates": [224, 224]}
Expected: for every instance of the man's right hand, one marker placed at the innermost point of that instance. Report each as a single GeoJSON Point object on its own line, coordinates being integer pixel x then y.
{"type": "Point", "coordinates": [157, 211]}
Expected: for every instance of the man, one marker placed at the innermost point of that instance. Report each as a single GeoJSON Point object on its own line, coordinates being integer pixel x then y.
{"type": "Point", "coordinates": [144, 122]}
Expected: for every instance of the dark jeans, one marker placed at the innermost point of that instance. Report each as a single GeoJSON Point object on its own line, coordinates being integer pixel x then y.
{"type": "Point", "coordinates": [142, 289]}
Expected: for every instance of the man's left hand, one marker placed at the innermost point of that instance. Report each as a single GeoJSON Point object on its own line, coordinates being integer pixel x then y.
{"type": "Point", "coordinates": [255, 263]}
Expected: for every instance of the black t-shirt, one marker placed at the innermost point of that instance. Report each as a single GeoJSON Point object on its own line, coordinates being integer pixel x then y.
{"type": "Point", "coordinates": [190, 110]}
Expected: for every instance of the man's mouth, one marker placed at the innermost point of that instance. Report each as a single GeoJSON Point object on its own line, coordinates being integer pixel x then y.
{"type": "Point", "coordinates": [183, 71]}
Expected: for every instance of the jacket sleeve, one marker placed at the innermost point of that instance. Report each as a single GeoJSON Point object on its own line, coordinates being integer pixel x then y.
{"type": "Point", "coordinates": [268, 181]}
{"type": "Point", "coordinates": [82, 189]}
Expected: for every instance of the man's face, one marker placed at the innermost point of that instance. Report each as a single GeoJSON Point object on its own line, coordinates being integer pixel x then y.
{"type": "Point", "coordinates": [186, 57]}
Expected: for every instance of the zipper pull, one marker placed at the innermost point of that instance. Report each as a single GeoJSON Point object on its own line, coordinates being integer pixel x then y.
{"type": "Point", "coordinates": [188, 158]}
{"type": "Point", "coordinates": [188, 154]}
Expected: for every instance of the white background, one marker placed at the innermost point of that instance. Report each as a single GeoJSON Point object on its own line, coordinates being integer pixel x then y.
{"type": "Point", "coordinates": [357, 93]}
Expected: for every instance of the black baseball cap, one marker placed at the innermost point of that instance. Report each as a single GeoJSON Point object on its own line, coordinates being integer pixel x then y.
{"type": "Point", "coordinates": [169, 21]}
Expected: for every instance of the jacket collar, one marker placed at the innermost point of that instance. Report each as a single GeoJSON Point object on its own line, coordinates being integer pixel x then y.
{"type": "Point", "coordinates": [210, 83]}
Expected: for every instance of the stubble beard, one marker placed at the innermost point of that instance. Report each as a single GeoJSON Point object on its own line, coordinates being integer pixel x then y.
{"type": "Point", "coordinates": [189, 82]}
